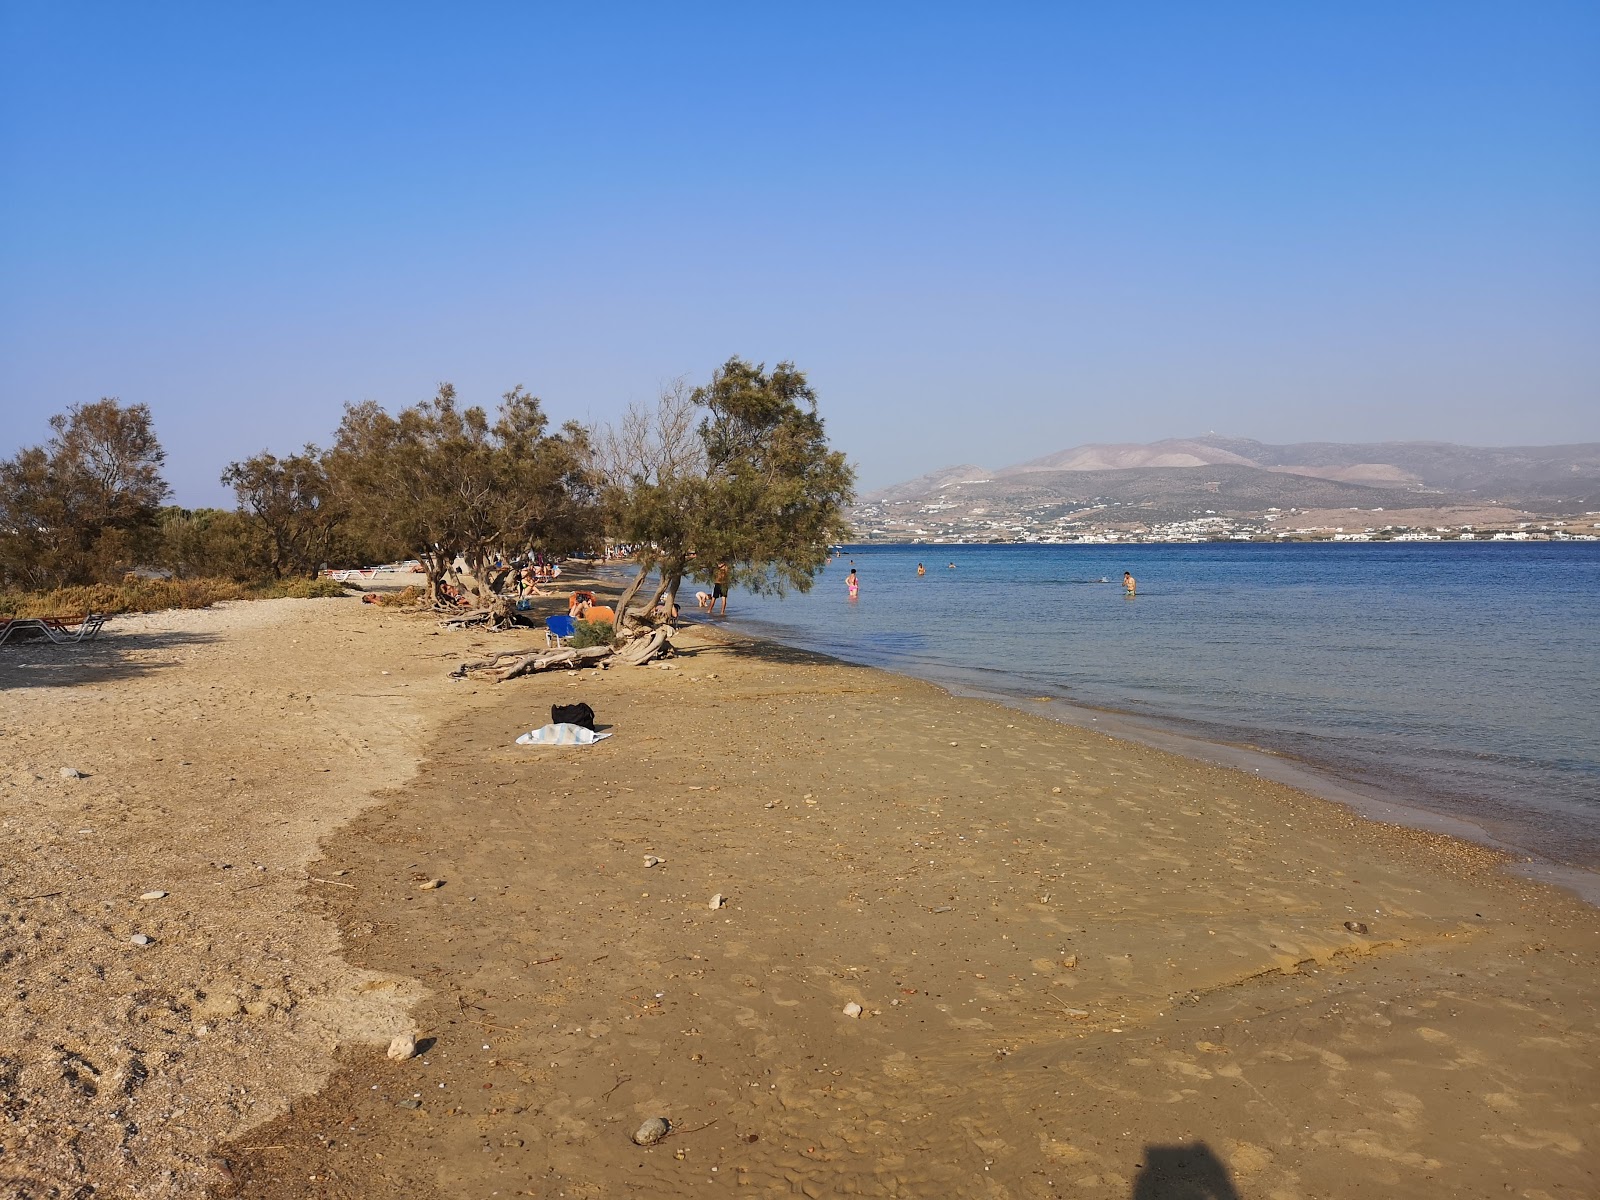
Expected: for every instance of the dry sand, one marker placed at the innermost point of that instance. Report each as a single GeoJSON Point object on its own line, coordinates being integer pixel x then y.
{"type": "Point", "coordinates": [1086, 968]}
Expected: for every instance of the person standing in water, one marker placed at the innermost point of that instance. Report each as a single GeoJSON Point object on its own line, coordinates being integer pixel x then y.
{"type": "Point", "coordinates": [921, 570]}
{"type": "Point", "coordinates": [852, 584]}
{"type": "Point", "coordinates": [1129, 584]}
{"type": "Point", "coordinates": [719, 588]}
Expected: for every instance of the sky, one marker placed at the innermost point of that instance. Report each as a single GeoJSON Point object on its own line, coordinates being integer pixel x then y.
{"type": "Point", "coordinates": [986, 232]}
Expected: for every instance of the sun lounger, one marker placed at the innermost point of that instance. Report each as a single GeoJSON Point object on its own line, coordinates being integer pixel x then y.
{"type": "Point", "coordinates": [59, 630]}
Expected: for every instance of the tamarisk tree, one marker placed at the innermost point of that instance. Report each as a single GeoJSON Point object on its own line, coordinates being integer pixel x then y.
{"type": "Point", "coordinates": [441, 481]}
{"type": "Point", "coordinates": [291, 502]}
{"type": "Point", "coordinates": [737, 471]}
{"type": "Point", "coordinates": [84, 506]}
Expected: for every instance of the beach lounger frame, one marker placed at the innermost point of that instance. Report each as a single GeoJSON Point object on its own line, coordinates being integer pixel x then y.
{"type": "Point", "coordinates": [60, 630]}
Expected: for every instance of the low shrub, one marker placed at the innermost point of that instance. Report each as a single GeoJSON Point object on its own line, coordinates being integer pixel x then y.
{"type": "Point", "coordinates": [154, 595]}
{"type": "Point", "coordinates": [305, 589]}
{"type": "Point", "coordinates": [134, 595]}
{"type": "Point", "coordinates": [591, 633]}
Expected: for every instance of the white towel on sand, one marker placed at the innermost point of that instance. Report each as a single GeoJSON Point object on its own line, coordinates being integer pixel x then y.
{"type": "Point", "coordinates": [561, 735]}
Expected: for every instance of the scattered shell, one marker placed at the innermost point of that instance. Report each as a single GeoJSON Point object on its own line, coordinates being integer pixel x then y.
{"type": "Point", "coordinates": [652, 1131]}
{"type": "Point", "coordinates": [942, 908]}
{"type": "Point", "coordinates": [403, 1047]}
{"type": "Point", "coordinates": [718, 900]}
{"type": "Point", "coordinates": [650, 860]}
{"type": "Point", "coordinates": [139, 939]}
{"type": "Point", "coordinates": [853, 1009]}
{"type": "Point", "coordinates": [430, 885]}
{"type": "Point", "coordinates": [1355, 926]}
{"type": "Point", "coordinates": [1055, 791]}
{"type": "Point", "coordinates": [153, 896]}
{"type": "Point", "coordinates": [72, 773]}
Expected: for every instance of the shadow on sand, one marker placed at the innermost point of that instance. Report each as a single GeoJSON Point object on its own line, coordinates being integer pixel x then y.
{"type": "Point", "coordinates": [1183, 1173]}
{"type": "Point", "coordinates": [37, 663]}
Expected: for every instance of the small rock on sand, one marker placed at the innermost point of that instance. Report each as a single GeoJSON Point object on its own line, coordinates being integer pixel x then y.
{"type": "Point", "coordinates": [139, 939]}
{"type": "Point", "coordinates": [152, 896]}
{"type": "Point", "coordinates": [650, 860]}
{"type": "Point", "coordinates": [403, 1047]}
{"type": "Point", "coordinates": [430, 885]}
{"type": "Point", "coordinates": [718, 900]}
{"type": "Point", "coordinates": [853, 1009]}
{"type": "Point", "coordinates": [72, 773]}
{"type": "Point", "coordinates": [1355, 926]}
{"type": "Point", "coordinates": [652, 1131]}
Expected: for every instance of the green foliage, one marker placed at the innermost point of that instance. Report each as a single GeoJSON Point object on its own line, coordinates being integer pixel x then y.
{"type": "Point", "coordinates": [439, 481]}
{"type": "Point", "coordinates": [82, 508]}
{"type": "Point", "coordinates": [591, 633]}
{"type": "Point", "coordinates": [209, 542]}
{"type": "Point", "coordinates": [291, 503]}
{"type": "Point", "coordinates": [738, 472]}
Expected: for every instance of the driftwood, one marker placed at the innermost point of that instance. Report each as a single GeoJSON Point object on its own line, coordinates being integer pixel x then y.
{"type": "Point", "coordinates": [589, 656]}
{"type": "Point", "coordinates": [634, 653]}
{"type": "Point", "coordinates": [500, 613]}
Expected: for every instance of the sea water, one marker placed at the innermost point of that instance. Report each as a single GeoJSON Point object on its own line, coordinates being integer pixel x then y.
{"type": "Point", "coordinates": [1463, 678]}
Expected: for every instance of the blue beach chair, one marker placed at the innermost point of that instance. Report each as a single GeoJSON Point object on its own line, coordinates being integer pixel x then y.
{"type": "Point", "coordinates": [557, 629]}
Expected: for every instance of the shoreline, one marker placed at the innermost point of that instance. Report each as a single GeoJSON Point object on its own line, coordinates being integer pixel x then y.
{"type": "Point", "coordinates": [1313, 778]}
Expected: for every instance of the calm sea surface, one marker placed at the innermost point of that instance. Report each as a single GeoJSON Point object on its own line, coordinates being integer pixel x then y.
{"type": "Point", "coordinates": [1462, 678]}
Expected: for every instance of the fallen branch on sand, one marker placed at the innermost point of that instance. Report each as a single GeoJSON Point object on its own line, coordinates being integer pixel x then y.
{"type": "Point", "coordinates": [635, 653]}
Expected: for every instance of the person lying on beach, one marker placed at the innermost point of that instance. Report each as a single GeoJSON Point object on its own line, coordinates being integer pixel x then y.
{"type": "Point", "coordinates": [595, 612]}
{"type": "Point", "coordinates": [577, 601]}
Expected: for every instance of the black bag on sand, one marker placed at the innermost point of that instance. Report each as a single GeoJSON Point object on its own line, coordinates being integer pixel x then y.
{"type": "Point", "coordinates": [579, 714]}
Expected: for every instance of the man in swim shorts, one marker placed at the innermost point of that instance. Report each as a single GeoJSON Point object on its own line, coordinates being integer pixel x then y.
{"type": "Point", "coordinates": [1129, 584]}
{"type": "Point", "coordinates": [719, 588]}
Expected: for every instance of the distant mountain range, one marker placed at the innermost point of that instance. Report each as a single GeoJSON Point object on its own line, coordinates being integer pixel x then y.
{"type": "Point", "coordinates": [1185, 478]}
{"type": "Point", "coordinates": [1512, 474]}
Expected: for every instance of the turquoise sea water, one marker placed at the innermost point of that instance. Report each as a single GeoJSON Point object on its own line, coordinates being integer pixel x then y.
{"type": "Point", "coordinates": [1460, 677]}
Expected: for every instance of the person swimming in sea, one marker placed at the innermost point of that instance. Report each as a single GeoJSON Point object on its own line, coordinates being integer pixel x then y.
{"type": "Point", "coordinates": [921, 570]}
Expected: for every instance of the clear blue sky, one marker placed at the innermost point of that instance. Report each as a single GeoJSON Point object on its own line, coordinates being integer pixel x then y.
{"type": "Point", "coordinates": [986, 231]}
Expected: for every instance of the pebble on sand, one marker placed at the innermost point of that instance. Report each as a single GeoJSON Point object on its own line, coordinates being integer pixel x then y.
{"type": "Point", "coordinates": [853, 1009]}
{"type": "Point", "coordinates": [652, 1131]}
{"type": "Point", "coordinates": [650, 860]}
{"type": "Point", "coordinates": [72, 773]}
{"type": "Point", "coordinates": [718, 900]}
{"type": "Point", "coordinates": [139, 939]}
{"type": "Point", "coordinates": [152, 895]}
{"type": "Point", "coordinates": [1355, 926]}
{"type": "Point", "coordinates": [403, 1047]}
{"type": "Point", "coordinates": [430, 885]}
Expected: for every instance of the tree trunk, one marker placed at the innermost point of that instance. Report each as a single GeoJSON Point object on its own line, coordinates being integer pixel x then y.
{"type": "Point", "coordinates": [628, 593]}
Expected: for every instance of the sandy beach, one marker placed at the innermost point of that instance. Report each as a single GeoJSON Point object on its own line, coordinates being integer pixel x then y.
{"type": "Point", "coordinates": [1084, 967]}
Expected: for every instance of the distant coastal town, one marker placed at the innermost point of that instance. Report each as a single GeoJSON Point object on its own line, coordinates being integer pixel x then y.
{"type": "Point", "coordinates": [1113, 521]}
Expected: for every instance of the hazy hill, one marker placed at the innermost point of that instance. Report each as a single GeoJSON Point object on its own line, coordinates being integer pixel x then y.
{"type": "Point", "coordinates": [1174, 472]}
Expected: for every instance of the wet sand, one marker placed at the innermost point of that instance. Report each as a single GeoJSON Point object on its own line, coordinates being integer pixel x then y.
{"type": "Point", "coordinates": [1086, 967]}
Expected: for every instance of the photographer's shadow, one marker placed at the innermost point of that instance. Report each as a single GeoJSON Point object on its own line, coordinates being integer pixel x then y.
{"type": "Point", "coordinates": [1183, 1173]}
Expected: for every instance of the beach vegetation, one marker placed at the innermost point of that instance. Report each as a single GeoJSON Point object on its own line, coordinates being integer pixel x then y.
{"type": "Point", "coordinates": [592, 633]}
{"type": "Point", "coordinates": [290, 502]}
{"type": "Point", "coordinates": [442, 482]}
{"type": "Point", "coordinates": [83, 507]}
{"type": "Point", "coordinates": [139, 594]}
{"type": "Point", "coordinates": [737, 471]}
